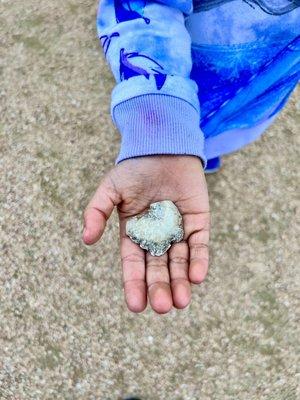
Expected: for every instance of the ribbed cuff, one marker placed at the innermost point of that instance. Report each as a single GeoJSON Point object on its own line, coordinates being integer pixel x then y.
{"type": "Point", "coordinates": [153, 124]}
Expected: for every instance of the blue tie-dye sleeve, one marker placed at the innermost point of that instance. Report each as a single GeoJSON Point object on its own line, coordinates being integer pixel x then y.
{"type": "Point", "coordinates": [154, 103]}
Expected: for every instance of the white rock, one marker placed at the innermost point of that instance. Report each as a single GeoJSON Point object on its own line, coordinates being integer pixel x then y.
{"type": "Point", "coordinates": [156, 229]}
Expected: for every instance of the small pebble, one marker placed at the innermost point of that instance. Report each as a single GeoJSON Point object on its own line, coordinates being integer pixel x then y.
{"type": "Point", "coordinates": [156, 229]}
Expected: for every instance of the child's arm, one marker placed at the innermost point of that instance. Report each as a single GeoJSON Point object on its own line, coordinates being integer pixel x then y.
{"type": "Point", "coordinates": [155, 107]}
{"type": "Point", "coordinates": [154, 104]}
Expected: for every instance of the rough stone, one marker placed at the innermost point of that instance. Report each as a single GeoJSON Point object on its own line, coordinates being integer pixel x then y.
{"type": "Point", "coordinates": [156, 229]}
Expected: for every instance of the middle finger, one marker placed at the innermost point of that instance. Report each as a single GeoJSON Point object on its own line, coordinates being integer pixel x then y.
{"type": "Point", "coordinates": [158, 281]}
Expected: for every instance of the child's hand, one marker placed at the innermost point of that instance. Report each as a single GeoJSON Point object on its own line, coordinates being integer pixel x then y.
{"type": "Point", "coordinates": [132, 185]}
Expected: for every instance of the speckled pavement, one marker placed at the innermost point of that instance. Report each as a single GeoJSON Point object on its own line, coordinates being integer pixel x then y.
{"type": "Point", "coordinates": [65, 332]}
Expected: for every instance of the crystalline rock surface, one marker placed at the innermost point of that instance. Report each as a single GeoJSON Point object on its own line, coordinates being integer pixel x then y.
{"type": "Point", "coordinates": [156, 229]}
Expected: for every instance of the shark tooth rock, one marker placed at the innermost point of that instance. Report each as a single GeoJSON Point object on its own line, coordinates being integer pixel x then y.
{"type": "Point", "coordinates": [156, 229]}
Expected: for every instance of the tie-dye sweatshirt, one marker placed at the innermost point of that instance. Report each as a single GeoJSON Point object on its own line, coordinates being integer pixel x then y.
{"type": "Point", "coordinates": [192, 73]}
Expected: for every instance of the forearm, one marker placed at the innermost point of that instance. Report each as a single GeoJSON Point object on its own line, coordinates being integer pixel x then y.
{"type": "Point", "coordinates": [154, 104]}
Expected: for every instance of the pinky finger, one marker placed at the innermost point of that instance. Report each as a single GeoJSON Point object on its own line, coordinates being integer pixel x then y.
{"type": "Point", "coordinates": [199, 256]}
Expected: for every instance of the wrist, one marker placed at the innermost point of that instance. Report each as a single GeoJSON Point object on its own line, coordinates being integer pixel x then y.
{"type": "Point", "coordinates": [158, 125]}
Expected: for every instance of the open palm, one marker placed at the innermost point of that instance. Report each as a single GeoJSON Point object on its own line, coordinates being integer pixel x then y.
{"type": "Point", "coordinates": [132, 186]}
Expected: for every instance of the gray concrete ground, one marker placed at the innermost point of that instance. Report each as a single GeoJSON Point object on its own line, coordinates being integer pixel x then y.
{"type": "Point", "coordinates": [65, 332]}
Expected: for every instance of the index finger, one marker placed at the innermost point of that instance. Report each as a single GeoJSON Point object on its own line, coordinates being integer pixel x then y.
{"type": "Point", "coordinates": [133, 268]}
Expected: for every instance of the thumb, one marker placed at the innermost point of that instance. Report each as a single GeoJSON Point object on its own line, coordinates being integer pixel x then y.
{"type": "Point", "coordinates": [98, 211]}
